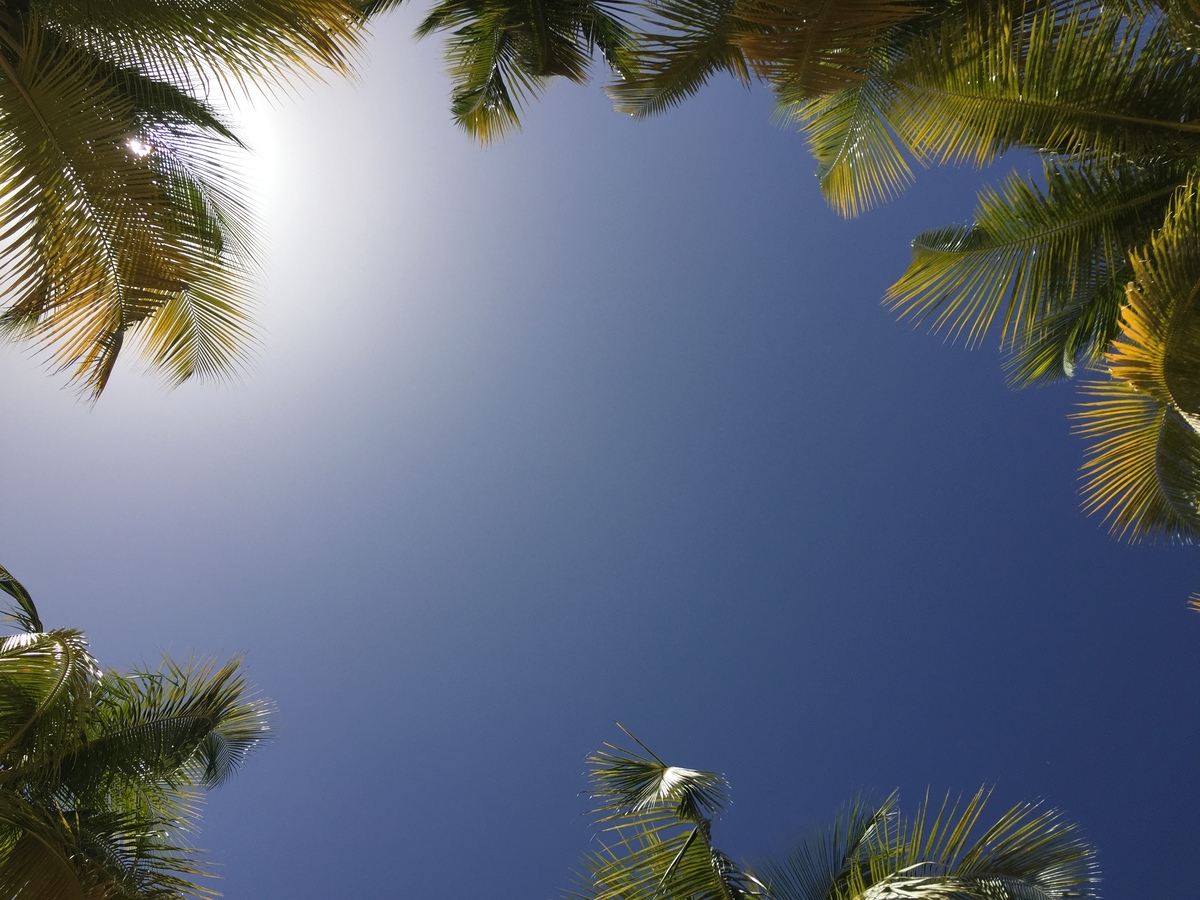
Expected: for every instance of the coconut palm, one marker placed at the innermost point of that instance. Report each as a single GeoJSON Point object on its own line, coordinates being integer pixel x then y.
{"type": "Point", "coordinates": [122, 214]}
{"type": "Point", "coordinates": [658, 819]}
{"type": "Point", "coordinates": [101, 773]}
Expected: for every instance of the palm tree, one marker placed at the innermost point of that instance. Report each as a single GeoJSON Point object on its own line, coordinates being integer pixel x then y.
{"type": "Point", "coordinates": [659, 819]}
{"type": "Point", "coordinates": [101, 773]}
{"type": "Point", "coordinates": [121, 211]}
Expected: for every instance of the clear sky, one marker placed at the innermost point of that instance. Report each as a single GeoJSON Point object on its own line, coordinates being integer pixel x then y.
{"type": "Point", "coordinates": [603, 423]}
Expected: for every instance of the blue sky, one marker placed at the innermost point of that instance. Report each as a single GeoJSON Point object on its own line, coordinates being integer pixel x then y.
{"type": "Point", "coordinates": [603, 423]}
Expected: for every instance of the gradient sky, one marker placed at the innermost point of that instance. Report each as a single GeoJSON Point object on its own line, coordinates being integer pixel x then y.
{"type": "Point", "coordinates": [603, 423]}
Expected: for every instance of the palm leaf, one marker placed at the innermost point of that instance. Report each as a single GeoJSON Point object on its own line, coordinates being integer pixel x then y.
{"type": "Point", "coordinates": [1087, 81]}
{"type": "Point", "coordinates": [1036, 261]}
{"type": "Point", "coordinates": [232, 45]}
{"type": "Point", "coordinates": [26, 614]}
{"type": "Point", "coordinates": [1144, 469]}
{"type": "Point", "coordinates": [835, 862]}
{"type": "Point", "coordinates": [859, 162]}
{"type": "Point", "coordinates": [806, 48]}
{"type": "Point", "coordinates": [683, 44]}
{"type": "Point", "coordinates": [117, 201]}
{"type": "Point", "coordinates": [660, 842]}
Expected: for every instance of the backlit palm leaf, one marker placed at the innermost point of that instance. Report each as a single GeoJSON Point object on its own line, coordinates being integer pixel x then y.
{"type": "Point", "coordinates": [658, 829]}
{"type": "Point", "coordinates": [117, 203]}
{"type": "Point", "coordinates": [1144, 469]}
{"type": "Point", "coordinates": [859, 162]}
{"type": "Point", "coordinates": [251, 42]}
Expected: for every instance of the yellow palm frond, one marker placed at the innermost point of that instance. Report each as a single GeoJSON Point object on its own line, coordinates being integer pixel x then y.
{"type": "Point", "coordinates": [113, 209]}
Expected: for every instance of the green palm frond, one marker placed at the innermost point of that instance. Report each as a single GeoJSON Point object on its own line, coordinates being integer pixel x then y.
{"type": "Point", "coordinates": [683, 44]}
{"type": "Point", "coordinates": [26, 614]}
{"type": "Point", "coordinates": [101, 775]}
{"type": "Point", "coordinates": [1089, 81]}
{"type": "Point", "coordinates": [232, 45]}
{"type": "Point", "coordinates": [859, 162]}
{"type": "Point", "coordinates": [628, 782]}
{"type": "Point", "coordinates": [117, 202]}
{"type": "Point", "coordinates": [1143, 468]}
{"type": "Point", "coordinates": [502, 53]}
{"type": "Point", "coordinates": [46, 685]}
{"type": "Point", "coordinates": [1037, 261]}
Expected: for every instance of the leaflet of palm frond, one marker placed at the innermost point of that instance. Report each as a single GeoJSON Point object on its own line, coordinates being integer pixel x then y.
{"type": "Point", "coordinates": [1194, 602]}
{"type": "Point", "coordinates": [1085, 83]}
{"type": "Point", "coordinates": [836, 861]}
{"type": "Point", "coordinates": [1033, 253]}
{"type": "Point", "coordinates": [1142, 473]}
{"type": "Point", "coordinates": [111, 214]}
{"type": "Point", "coordinates": [684, 44]}
{"type": "Point", "coordinates": [195, 45]}
{"type": "Point", "coordinates": [859, 162]}
{"type": "Point", "coordinates": [805, 48]}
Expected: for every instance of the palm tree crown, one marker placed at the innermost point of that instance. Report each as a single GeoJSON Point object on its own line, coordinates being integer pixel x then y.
{"type": "Point", "coordinates": [658, 823]}
{"type": "Point", "coordinates": [101, 773]}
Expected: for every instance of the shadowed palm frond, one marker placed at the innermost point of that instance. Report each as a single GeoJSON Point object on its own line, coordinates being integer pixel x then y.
{"type": "Point", "coordinates": [836, 861]}
{"type": "Point", "coordinates": [25, 614]}
{"type": "Point", "coordinates": [806, 48]}
{"type": "Point", "coordinates": [683, 44]}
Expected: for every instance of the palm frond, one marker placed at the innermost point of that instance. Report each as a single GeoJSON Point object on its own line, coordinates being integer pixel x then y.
{"type": "Point", "coordinates": [1144, 469]}
{"type": "Point", "coordinates": [859, 162]}
{"type": "Point", "coordinates": [836, 861]}
{"type": "Point", "coordinates": [1090, 81]}
{"type": "Point", "coordinates": [1037, 261]}
{"type": "Point", "coordinates": [501, 53]}
{"type": "Point", "coordinates": [118, 201]}
{"type": "Point", "coordinates": [805, 48]}
{"type": "Point", "coordinates": [229, 45]}
{"type": "Point", "coordinates": [26, 614]}
{"type": "Point", "coordinates": [658, 828]}
{"type": "Point", "coordinates": [684, 43]}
